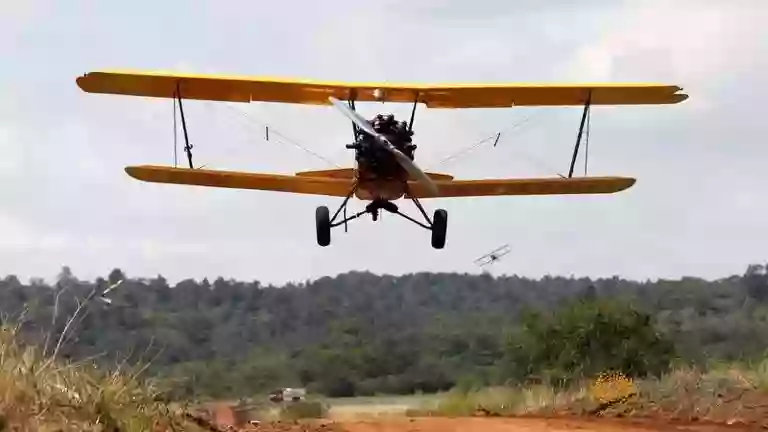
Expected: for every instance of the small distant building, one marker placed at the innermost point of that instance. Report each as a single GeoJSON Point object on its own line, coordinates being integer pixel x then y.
{"type": "Point", "coordinates": [287, 394]}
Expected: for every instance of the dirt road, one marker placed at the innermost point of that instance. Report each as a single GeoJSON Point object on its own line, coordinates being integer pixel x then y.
{"type": "Point", "coordinates": [496, 424]}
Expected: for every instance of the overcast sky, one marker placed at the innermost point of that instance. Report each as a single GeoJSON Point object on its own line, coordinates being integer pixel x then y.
{"type": "Point", "coordinates": [698, 208]}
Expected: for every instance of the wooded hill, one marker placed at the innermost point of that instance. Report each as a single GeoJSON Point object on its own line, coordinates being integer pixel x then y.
{"type": "Point", "coordinates": [360, 333]}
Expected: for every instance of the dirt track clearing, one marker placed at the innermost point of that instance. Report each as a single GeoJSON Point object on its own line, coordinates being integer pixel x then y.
{"type": "Point", "coordinates": [436, 424]}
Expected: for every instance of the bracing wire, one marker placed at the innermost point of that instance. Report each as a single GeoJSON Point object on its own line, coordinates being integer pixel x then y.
{"type": "Point", "coordinates": [486, 139]}
{"type": "Point", "coordinates": [287, 140]}
{"type": "Point", "coordinates": [494, 137]}
{"type": "Point", "coordinates": [274, 132]}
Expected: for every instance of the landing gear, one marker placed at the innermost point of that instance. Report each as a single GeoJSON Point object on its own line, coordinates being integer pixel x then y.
{"type": "Point", "coordinates": [323, 223]}
{"type": "Point", "coordinates": [323, 226]}
{"type": "Point", "coordinates": [439, 228]}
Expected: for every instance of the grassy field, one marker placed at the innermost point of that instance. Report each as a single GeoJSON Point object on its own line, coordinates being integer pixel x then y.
{"type": "Point", "coordinates": [726, 394]}
{"type": "Point", "coordinates": [722, 394]}
{"type": "Point", "coordinates": [38, 391]}
{"type": "Point", "coordinates": [376, 406]}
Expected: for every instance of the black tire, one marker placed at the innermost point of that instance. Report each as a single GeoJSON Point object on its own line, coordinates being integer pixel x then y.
{"type": "Point", "coordinates": [439, 228]}
{"type": "Point", "coordinates": [323, 226]}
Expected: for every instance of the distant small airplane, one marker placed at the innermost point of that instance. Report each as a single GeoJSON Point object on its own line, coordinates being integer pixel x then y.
{"type": "Point", "coordinates": [103, 296]}
{"type": "Point", "coordinates": [493, 256]}
{"type": "Point", "coordinates": [384, 169]}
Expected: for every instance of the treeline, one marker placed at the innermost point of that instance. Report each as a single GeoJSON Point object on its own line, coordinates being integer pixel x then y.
{"type": "Point", "coordinates": [360, 333]}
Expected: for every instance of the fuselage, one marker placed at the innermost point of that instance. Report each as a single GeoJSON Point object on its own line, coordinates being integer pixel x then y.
{"type": "Point", "coordinates": [373, 185]}
{"type": "Point", "coordinates": [379, 175]}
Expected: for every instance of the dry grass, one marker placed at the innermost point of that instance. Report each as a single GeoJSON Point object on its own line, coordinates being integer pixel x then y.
{"type": "Point", "coordinates": [721, 394]}
{"type": "Point", "coordinates": [505, 401]}
{"type": "Point", "coordinates": [41, 394]}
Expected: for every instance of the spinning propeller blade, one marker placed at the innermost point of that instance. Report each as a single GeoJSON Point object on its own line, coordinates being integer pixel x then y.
{"type": "Point", "coordinates": [401, 158]}
{"type": "Point", "coordinates": [354, 116]}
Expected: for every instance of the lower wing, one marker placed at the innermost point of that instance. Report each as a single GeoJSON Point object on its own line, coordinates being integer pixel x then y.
{"type": "Point", "coordinates": [242, 180]}
{"type": "Point", "coordinates": [334, 186]}
{"type": "Point", "coordinates": [348, 173]}
{"type": "Point", "coordinates": [534, 186]}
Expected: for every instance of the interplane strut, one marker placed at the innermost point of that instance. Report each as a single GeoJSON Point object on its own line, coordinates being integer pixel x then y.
{"type": "Point", "coordinates": [584, 113]}
{"type": "Point", "coordinates": [187, 145]}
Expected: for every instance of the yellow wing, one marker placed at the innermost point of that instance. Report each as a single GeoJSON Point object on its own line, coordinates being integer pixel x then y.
{"type": "Point", "coordinates": [348, 173]}
{"type": "Point", "coordinates": [304, 183]}
{"type": "Point", "coordinates": [533, 186]}
{"type": "Point", "coordinates": [247, 89]}
{"type": "Point", "coordinates": [241, 180]}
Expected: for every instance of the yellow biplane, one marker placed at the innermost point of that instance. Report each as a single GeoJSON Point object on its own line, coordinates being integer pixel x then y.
{"type": "Point", "coordinates": [384, 168]}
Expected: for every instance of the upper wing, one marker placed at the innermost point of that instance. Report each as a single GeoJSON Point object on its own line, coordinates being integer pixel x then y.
{"type": "Point", "coordinates": [535, 186]}
{"type": "Point", "coordinates": [247, 89]}
{"type": "Point", "coordinates": [241, 180]}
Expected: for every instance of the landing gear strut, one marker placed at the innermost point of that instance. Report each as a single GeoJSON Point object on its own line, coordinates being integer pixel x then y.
{"type": "Point", "coordinates": [438, 225]}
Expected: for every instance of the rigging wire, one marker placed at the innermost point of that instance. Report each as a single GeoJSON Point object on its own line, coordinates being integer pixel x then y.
{"type": "Point", "coordinates": [287, 140]}
{"type": "Point", "coordinates": [491, 137]}
{"type": "Point", "coordinates": [274, 132]}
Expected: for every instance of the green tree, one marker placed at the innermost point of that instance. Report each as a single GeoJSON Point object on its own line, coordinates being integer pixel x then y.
{"type": "Point", "coordinates": [756, 282]}
{"type": "Point", "coordinates": [364, 333]}
{"type": "Point", "coordinates": [585, 338]}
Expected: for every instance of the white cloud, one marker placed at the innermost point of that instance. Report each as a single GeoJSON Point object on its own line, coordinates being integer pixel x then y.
{"type": "Point", "coordinates": [67, 200]}
{"type": "Point", "coordinates": [11, 153]}
{"type": "Point", "coordinates": [658, 40]}
{"type": "Point", "coordinates": [16, 18]}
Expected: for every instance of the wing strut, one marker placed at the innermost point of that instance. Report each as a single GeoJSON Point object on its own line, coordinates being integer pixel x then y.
{"type": "Point", "coordinates": [175, 139]}
{"type": "Point", "coordinates": [351, 102]}
{"type": "Point", "coordinates": [581, 130]}
{"type": "Point", "coordinates": [413, 112]}
{"type": "Point", "coordinates": [187, 145]}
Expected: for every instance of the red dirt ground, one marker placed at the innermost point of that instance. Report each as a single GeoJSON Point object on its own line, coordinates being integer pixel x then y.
{"type": "Point", "coordinates": [495, 424]}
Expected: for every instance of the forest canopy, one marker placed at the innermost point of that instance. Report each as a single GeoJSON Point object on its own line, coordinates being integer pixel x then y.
{"type": "Point", "coordinates": [360, 333]}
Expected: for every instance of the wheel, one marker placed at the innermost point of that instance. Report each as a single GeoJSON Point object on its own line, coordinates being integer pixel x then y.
{"type": "Point", "coordinates": [439, 228]}
{"type": "Point", "coordinates": [323, 226]}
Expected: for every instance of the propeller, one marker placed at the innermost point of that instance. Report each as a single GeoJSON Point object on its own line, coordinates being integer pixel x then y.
{"type": "Point", "coordinates": [401, 158]}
